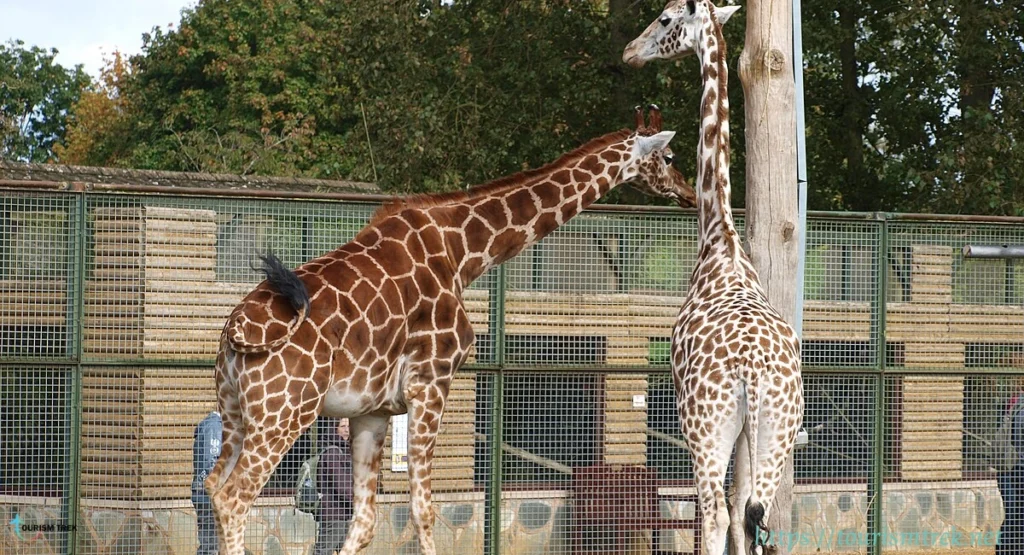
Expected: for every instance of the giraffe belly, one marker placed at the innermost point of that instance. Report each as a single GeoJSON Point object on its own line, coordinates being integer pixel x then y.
{"type": "Point", "coordinates": [343, 403]}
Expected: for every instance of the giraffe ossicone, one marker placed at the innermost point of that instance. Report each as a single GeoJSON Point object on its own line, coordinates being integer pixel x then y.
{"type": "Point", "coordinates": [735, 360]}
{"type": "Point", "coordinates": [378, 326]}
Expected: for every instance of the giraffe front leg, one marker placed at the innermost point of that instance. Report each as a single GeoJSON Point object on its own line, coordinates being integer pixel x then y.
{"type": "Point", "coordinates": [425, 411]}
{"type": "Point", "coordinates": [367, 432]}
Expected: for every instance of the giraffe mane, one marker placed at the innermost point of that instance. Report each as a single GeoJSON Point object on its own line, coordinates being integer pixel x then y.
{"type": "Point", "coordinates": [505, 183]}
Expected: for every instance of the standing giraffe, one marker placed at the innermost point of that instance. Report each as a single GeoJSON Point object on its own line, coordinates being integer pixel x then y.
{"type": "Point", "coordinates": [378, 326]}
{"type": "Point", "coordinates": [735, 360]}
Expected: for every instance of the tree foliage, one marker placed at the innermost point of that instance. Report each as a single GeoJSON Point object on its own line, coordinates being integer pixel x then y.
{"type": "Point", "coordinates": [414, 95]}
{"type": "Point", "coordinates": [35, 95]}
{"type": "Point", "coordinates": [99, 121]}
{"type": "Point", "coordinates": [915, 106]}
{"type": "Point", "coordinates": [912, 106]}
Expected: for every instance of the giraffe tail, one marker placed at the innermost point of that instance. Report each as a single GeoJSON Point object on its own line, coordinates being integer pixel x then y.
{"type": "Point", "coordinates": [287, 284]}
{"type": "Point", "coordinates": [753, 523]}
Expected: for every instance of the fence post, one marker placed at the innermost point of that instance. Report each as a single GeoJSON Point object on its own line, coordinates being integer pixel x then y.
{"type": "Point", "coordinates": [77, 279]}
{"type": "Point", "coordinates": [492, 509]}
{"type": "Point", "coordinates": [875, 492]}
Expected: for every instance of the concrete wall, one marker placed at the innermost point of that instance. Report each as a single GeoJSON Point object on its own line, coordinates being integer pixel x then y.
{"type": "Point", "coordinates": [826, 518]}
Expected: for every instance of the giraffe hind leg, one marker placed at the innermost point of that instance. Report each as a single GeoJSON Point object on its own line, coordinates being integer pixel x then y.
{"type": "Point", "coordinates": [742, 486]}
{"type": "Point", "coordinates": [367, 442]}
{"type": "Point", "coordinates": [231, 421]}
{"type": "Point", "coordinates": [425, 413]}
{"type": "Point", "coordinates": [777, 442]}
{"type": "Point", "coordinates": [231, 445]}
{"type": "Point", "coordinates": [710, 463]}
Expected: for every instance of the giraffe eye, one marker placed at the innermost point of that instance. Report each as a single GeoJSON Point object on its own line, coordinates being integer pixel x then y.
{"type": "Point", "coordinates": [665, 20]}
{"type": "Point", "coordinates": [668, 159]}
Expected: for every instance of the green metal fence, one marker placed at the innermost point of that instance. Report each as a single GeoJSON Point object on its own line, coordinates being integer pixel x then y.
{"type": "Point", "coordinates": [111, 305]}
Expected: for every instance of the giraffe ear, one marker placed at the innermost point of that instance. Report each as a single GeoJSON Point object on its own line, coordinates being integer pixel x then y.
{"type": "Point", "coordinates": [649, 144]}
{"type": "Point", "coordinates": [724, 13]}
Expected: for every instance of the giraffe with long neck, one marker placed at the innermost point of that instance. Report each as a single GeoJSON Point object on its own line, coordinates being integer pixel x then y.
{"type": "Point", "coordinates": [378, 326]}
{"type": "Point", "coordinates": [735, 360]}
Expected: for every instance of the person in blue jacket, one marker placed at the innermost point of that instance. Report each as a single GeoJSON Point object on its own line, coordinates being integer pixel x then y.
{"type": "Point", "coordinates": [205, 450]}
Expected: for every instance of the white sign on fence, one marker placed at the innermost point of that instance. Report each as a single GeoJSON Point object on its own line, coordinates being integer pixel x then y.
{"type": "Point", "coordinates": [400, 443]}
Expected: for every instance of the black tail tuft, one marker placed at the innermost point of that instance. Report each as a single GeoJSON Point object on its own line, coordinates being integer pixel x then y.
{"type": "Point", "coordinates": [754, 524]}
{"type": "Point", "coordinates": [285, 282]}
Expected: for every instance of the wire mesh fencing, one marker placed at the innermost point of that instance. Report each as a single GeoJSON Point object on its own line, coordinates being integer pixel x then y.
{"type": "Point", "coordinates": [561, 435]}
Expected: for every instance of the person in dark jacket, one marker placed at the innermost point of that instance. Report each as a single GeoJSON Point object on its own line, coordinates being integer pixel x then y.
{"type": "Point", "coordinates": [205, 450]}
{"type": "Point", "coordinates": [1011, 483]}
{"type": "Point", "coordinates": [334, 482]}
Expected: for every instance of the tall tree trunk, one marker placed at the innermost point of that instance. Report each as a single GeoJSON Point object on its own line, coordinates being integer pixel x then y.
{"type": "Point", "coordinates": [766, 72]}
{"type": "Point", "coordinates": [977, 90]}
{"type": "Point", "coordinates": [852, 115]}
{"type": "Point", "coordinates": [624, 16]}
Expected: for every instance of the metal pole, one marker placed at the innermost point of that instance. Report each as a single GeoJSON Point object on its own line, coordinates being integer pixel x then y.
{"type": "Point", "coordinates": [801, 167]}
{"type": "Point", "coordinates": [993, 251]}
{"type": "Point", "coordinates": [72, 504]}
{"type": "Point", "coordinates": [492, 531]}
{"type": "Point", "coordinates": [876, 479]}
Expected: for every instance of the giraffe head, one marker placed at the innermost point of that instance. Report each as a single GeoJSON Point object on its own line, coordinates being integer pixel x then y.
{"type": "Point", "coordinates": [649, 163]}
{"type": "Point", "coordinates": [663, 179]}
{"type": "Point", "coordinates": [674, 34]}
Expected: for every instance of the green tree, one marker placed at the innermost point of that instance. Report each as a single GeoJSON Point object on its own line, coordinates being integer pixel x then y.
{"type": "Point", "coordinates": [35, 95]}
{"type": "Point", "coordinates": [915, 106]}
{"type": "Point", "coordinates": [98, 122]}
{"type": "Point", "coordinates": [418, 96]}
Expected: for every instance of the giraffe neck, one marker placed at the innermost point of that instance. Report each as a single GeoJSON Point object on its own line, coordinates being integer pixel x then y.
{"type": "Point", "coordinates": [716, 229]}
{"type": "Point", "coordinates": [498, 226]}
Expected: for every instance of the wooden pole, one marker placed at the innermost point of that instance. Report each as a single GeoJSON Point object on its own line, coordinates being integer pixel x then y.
{"type": "Point", "coordinates": [766, 73]}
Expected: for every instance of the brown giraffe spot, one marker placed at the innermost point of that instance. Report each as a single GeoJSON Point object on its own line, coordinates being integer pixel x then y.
{"type": "Point", "coordinates": [305, 341]}
{"type": "Point", "coordinates": [274, 403]}
{"type": "Point", "coordinates": [358, 381]}
{"type": "Point", "coordinates": [444, 316]}
{"type": "Point", "coordinates": [454, 240]}
{"type": "Point", "coordinates": [507, 244]}
{"type": "Point", "coordinates": [477, 234]}
{"type": "Point", "coordinates": [589, 196]}
{"type": "Point", "coordinates": [394, 258]}
{"type": "Point", "coordinates": [447, 344]}
{"type": "Point", "coordinates": [473, 267]}
{"type": "Point", "coordinates": [561, 177]}
{"type": "Point", "coordinates": [546, 223]}
{"type": "Point", "coordinates": [493, 211]}
{"type": "Point", "coordinates": [378, 313]}
{"type": "Point", "coordinates": [611, 156]}
{"type": "Point", "coordinates": [592, 165]}
{"type": "Point", "coordinates": [358, 337]}
{"type": "Point", "coordinates": [581, 177]}
{"type": "Point", "coordinates": [550, 195]}
{"type": "Point", "coordinates": [395, 228]}
{"type": "Point", "coordinates": [523, 208]}
{"type": "Point", "coordinates": [568, 210]}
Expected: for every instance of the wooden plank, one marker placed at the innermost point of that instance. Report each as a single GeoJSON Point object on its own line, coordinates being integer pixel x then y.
{"type": "Point", "coordinates": [180, 263]}
{"type": "Point", "coordinates": [215, 288]}
{"type": "Point", "coordinates": [20, 286]}
{"type": "Point", "coordinates": [188, 214]}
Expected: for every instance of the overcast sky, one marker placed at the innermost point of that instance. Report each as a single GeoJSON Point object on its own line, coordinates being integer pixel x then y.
{"type": "Point", "coordinates": [84, 30]}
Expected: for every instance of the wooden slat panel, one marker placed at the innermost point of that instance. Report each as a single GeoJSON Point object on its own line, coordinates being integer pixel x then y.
{"type": "Point", "coordinates": [625, 434]}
